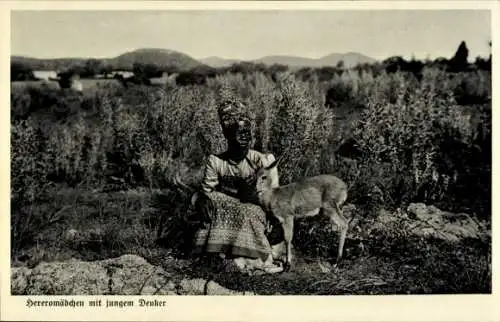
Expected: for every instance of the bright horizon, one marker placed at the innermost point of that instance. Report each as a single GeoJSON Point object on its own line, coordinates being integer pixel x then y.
{"type": "Point", "coordinates": [250, 35]}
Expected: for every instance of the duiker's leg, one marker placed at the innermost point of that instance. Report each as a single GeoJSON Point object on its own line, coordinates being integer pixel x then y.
{"type": "Point", "coordinates": [337, 218]}
{"type": "Point", "coordinates": [288, 235]}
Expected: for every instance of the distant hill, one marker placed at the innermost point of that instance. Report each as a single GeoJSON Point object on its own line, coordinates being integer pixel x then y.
{"type": "Point", "coordinates": [350, 59]}
{"type": "Point", "coordinates": [159, 57]}
{"type": "Point", "coordinates": [173, 59]}
{"type": "Point", "coordinates": [218, 62]}
{"type": "Point", "coordinates": [291, 61]}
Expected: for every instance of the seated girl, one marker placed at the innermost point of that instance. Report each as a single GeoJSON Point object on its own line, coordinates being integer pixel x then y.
{"type": "Point", "coordinates": [238, 226]}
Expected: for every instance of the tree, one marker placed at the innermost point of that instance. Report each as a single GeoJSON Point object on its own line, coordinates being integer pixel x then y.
{"type": "Point", "coordinates": [190, 78]}
{"type": "Point", "coordinates": [278, 68]}
{"type": "Point", "coordinates": [340, 64]}
{"type": "Point", "coordinates": [394, 64]}
{"type": "Point", "coordinates": [415, 67]}
{"type": "Point", "coordinates": [146, 70]}
{"type": "Point", "coordinates": [459, 61]}
{"type": "Point", "coordinates": [20, 72]}
{"type": "Point", "coordinates": [105, 69]}
{"type": "Point", "coordinates": [482, 63]}
{"type": "Point", "coordinates": [326, 73]}
{"type": "Point", "coordinates": [91, 68]}
{"type": "Point", "coordinates": [66, 78]}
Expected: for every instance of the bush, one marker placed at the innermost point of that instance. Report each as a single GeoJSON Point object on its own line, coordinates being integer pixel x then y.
{"type": "Point", "coordinates": [472, 88]}
{"type": "Point", "coordinates": [29, 182]}
{"type": "Point", "coordinates": [21, 72]}
{"type": "Point", "coordinates": [411, 139]}
{"type": "Point", "coordinates": [400, 127]}
{"type": "Point", "coordinates": [45, 101]}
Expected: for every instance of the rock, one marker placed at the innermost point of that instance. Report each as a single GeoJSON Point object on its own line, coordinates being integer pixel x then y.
{"type": "Point", "coordinates": [67, 278]}
{"type": "Point", "coordinates": [424, 213]}
{"type": "Point", "coordinates": [202, 287]}
{"type": "Point", "coordinates": [423, 221]}
{"type": "Point", "coordinates": [19, 280]}
{"type": "Point", "coordinates": [213, 288]}
{"type": "Point", "coordinates": [125, 275]}
{"type": "Point", "coordinates": [385, 217]}
{"type": "Point", "coordinates": [383, 220]}
{"type": "Point", "coordinates": [432, 222]}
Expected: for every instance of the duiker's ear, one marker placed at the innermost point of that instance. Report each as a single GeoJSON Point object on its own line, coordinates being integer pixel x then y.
{"type": "Point", "coordinates": [275, 163]}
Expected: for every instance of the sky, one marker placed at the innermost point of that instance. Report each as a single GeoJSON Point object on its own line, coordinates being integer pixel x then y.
{"type": "Point", "coordinates": [251, 34]}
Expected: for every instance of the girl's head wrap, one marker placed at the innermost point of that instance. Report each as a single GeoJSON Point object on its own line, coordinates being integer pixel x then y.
{"type": "Point", "coordinates": [234, 117]}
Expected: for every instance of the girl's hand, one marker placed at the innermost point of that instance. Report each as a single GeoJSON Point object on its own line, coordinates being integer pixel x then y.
{"type": "Point", "coordinates": [229, 191]}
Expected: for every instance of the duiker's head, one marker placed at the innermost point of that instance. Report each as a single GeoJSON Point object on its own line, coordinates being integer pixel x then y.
{"type": "Point", "coordinates": [266, 178]}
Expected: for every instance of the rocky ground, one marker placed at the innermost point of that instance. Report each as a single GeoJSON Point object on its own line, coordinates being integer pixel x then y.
{"type": "Point", "coordinates": [446, 241]}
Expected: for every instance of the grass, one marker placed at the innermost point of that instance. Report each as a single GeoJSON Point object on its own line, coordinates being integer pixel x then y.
{"type": "Point", "coordinates": [113, 224]}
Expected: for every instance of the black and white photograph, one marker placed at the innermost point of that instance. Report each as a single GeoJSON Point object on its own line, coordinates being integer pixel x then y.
{"type": "Point", "coordinates": [213, 151]}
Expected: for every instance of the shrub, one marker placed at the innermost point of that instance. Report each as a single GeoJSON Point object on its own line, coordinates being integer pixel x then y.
{"type": "Point", "coordinates": [400, 126]}
{"type": "Point", "coordinates": [409, 140]}
{"type": "Point", "coordinates": [472, 88]}
{"type": "Point", "coordinates": [45, 101]}
{"type": "Point", "coordinates": [29, 165]}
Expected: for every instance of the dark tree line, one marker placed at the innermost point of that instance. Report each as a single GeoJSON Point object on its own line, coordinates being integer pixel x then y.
{"type": "Point", "coordinates": [456, 64]}
{"type": "Point", "coordinates": [20, 72]}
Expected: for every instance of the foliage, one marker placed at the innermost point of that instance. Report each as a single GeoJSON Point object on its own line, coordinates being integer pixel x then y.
{"type": "Point", "coordinates": [20, 72]}
{"type": "Point", "coordinates": [459, 61]}
{"type": "Point", "coordinates": [46, 102]}
{"type": "Point", "coordinates": [30, 162]}
{"type": "Point", "coordinates": [134, 135]}
{"type": "Point", "coordinates": [146, 70]}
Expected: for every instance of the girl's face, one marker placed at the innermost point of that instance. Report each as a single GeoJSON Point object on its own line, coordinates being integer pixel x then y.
{"type": "Point", "coordinates": [241, 137]}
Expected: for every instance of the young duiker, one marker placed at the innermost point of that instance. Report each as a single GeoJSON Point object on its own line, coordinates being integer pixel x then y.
{"type": "Point", "coordinates": [323, 194]}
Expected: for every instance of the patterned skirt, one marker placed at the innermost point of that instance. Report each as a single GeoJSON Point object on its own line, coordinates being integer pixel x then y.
{"type": "Point", "coordinates": [237, 230]}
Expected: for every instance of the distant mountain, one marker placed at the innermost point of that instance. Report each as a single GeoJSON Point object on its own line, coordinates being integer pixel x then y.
{"type": "Point", "coordinates": [291, 61]}
{"type": "Point", "coordinates": [350, 59]}
{"type": "Point", "coordinates": [159, 57]}
{"type": "Point", "coordinates": [218, 62]}
{"type": "Point", "coordinates": [170, 58]}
